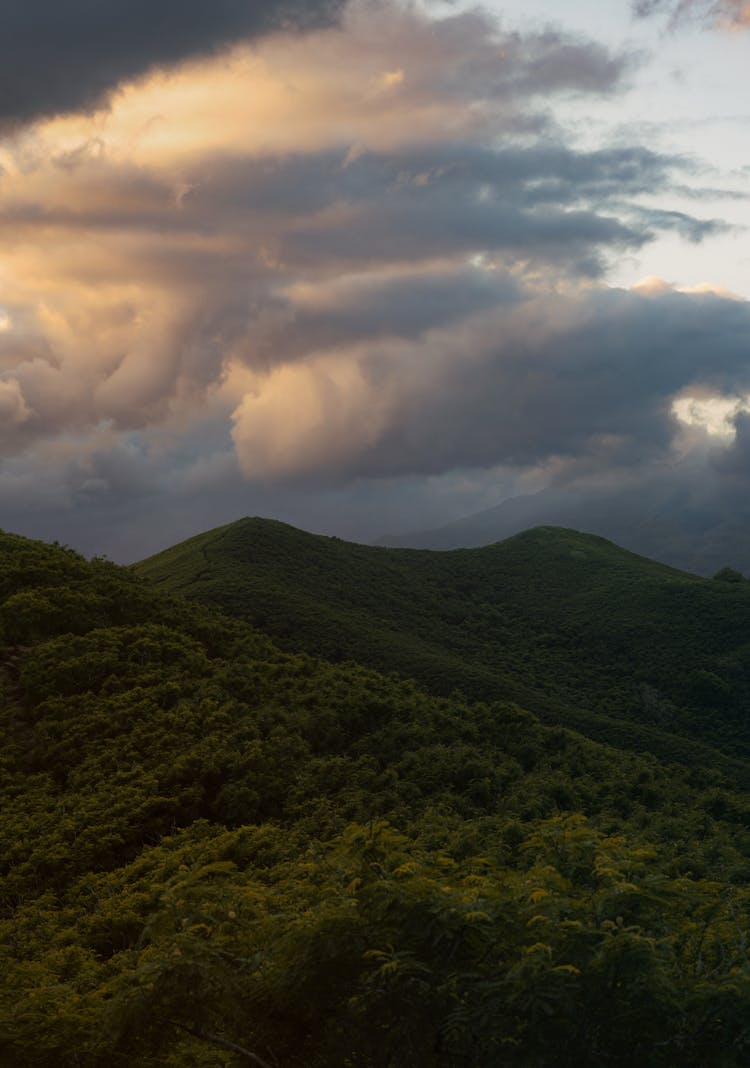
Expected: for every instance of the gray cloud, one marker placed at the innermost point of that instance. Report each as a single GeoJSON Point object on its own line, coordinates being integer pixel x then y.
{"type": "Point", "coordinates": [599, 388]}
{"type": "Point", "coordinates": [588, 379]}
{"type": "Point", "coordinates": [727, 13]}
{"type": "Point", "coordinates": [544, 201]}
{"type": "Point", "coordinates": [531, 64]}
{"type": "Point", "coordinates": [390, 280]}
{"type": "Point", "coordinates": [579, 389]}
{"type": "Point", "coordinates": [101, 496]}
{"type": "Point", "coordinates": [268, 259]}
{"type": "Point", "coordinates": [395, 305]}
{"type": "Point", "coordinates": [57, 57]}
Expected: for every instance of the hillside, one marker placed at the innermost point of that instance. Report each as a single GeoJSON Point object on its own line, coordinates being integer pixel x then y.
{"type": "Point", "coordinates": [215, 853]}
{"type": "Point", "coordinates": [568, 625]}
{"type": "Point", "coordinates": [662, 520]}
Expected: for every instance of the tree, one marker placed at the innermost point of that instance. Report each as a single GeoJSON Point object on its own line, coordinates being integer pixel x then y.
{"type": "Point", "coordinates": [728, 574]}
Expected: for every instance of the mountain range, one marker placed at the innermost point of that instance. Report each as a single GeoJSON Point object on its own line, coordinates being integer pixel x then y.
{"type": "Point", "coordinates": [662, 519]}
{"type": "Point", "coordinates": [566, 624]}
{"type": "Point", "coordinates": [272, 798]}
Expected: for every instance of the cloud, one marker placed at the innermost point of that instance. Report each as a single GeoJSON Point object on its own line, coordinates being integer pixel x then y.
{"type": "Point", "coordinates": [351, 261]}
{"type": "Point", "coordinates": [295, 198]}
{"type": "Point", "coordinates": [57, 58]}
{"type": "Point", "coordinates": [13, 408]}
{"type": "Point", "coordinates": [579, 378]}
{"type": "Point", "coordinates": [728, 14]}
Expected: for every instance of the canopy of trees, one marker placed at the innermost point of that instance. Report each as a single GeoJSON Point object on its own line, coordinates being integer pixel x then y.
{"type": "Point", "coordinates": [217, 852]}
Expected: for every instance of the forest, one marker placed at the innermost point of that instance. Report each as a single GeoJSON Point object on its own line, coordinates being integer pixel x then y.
{"type": "Point", "coordinates": [568, 625]}
{"type": "Point", "coordinates": [278, 800]}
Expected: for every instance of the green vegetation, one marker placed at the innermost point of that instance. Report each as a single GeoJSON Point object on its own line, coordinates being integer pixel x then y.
{"type": "Point", "coordinates": [729, 574]}
{"type": "Point", "coordinates": [215, 852]}
{"type": "Point", "coordinates": [580, 632]}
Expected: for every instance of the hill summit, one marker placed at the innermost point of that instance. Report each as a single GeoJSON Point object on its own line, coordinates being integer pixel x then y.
{"type": "Point", "coordinates": [665, 519]}
{"type": "Point", "coordinates": [216, 852]}
{"type": "Point", "coordinates": [566, 624]}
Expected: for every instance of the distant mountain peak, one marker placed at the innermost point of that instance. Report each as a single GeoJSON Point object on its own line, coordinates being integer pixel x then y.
{"type": "Point", "coordinates": [662, 522]}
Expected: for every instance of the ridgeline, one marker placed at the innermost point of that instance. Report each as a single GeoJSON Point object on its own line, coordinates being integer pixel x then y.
{"type": "Point", "coordinates": [568, 625]}
{"type": "Point", "coordinates": [215, 851]}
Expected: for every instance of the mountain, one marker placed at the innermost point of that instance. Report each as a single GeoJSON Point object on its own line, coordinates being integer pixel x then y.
{"type": "Point", "coordinates": [568, 625]}
{"type": "Point", "coordinates": [662, 520]}
{"type": "Point", "coordinates": [214, 852]}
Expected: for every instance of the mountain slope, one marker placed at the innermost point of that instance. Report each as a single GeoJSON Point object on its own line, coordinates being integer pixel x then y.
{"type": "Point", "coordinates": [214, 853]}
{"type": "Point", "coordinates": [568, 625]}
{"type": "Point", "coordinates": [662, 520]}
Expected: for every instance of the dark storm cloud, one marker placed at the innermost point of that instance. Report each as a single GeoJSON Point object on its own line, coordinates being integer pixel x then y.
{"type": "Point", "coordinates": [542, 174]}
{"type": "Point", "coordinates": [589, 379]}
{"type": "Point", "coordinates": [545, 201]}
{"type": "Point", "coordinates": [68, 55]}
{"type": "Point", "coordinates": [733, 463]}
{"type": "Point", "coordinates": [266, 260]}
{"type": "Point", "coordinates": [329, 317]}
{"type": "Point", "coordinates": [392, 232]}
{"type": "Point", "coordinates": [385, 275]}
{"type": "Point", "coordinates": [108, 503]}
{"type": "Point", "coordinates": [298, 190]}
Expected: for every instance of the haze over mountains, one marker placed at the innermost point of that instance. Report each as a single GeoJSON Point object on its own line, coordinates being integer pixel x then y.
{"type": "Point", "coordinates": [692, 526]}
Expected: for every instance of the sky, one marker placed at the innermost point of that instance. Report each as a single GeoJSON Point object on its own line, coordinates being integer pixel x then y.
{"type": "Point", "coordinates": [365, 266]}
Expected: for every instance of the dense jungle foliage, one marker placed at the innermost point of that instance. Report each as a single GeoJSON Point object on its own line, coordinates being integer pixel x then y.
{"type": "Point", "coordinates": [581, 632]}
{"type": "Point", "coordinates": [214, 852]}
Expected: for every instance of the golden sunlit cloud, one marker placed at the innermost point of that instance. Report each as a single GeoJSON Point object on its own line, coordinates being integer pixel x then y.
{"type": "Point", "coordinates": [13, 408]}
{"type": "Point", "coordinates": [713, 414]}
{"type": "Point", "coordinates": [391, 78]}
{"type": "Point", "coordinates": [652, 285]}
{"type": "Point", "coordinates": [287, 94]}
{"type": "Point", "coordinates": [141, 245]}
{"type": "Point", "coordinates": [310, 242]}
{"type": "Point", "coordinates": [301, 418]}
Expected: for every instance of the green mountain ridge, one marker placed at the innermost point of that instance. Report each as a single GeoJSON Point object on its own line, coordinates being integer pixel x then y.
{"type": "Point", "coordinates": [216, 852]}
{"type": "Point", "coordinates": [679, 519]}
{"type": "Point", "coordinates": [568, 625]}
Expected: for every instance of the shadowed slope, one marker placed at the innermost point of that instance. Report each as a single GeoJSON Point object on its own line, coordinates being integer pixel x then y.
{"type": "Point", "coordinates": [213, 852]}
{"type": "Point", "coordinates": [663, 521]}
{"type": "Point", "coordinates": [567, 624]}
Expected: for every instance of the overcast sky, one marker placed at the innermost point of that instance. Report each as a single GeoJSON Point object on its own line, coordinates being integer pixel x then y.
{"type": "Point", "coordinates": [364, 267]}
